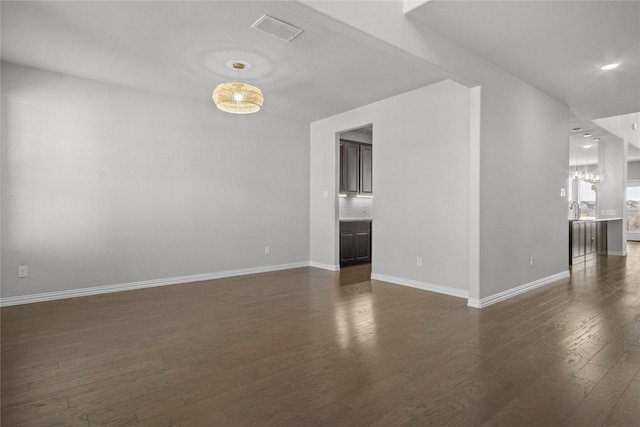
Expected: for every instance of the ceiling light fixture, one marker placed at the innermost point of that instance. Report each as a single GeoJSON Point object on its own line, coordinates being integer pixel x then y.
{"type": "Point", "coordinates": [592, 178]}
{"type": "Point", "coordinates": [610, 66]}
{"type": "Point", "coordinates": [587, 146]}
{"type": "Point", "coordinates": [587, 135]}
{"type": "Point", "coordinates": [576, 174]}
{"type": "Point", "coordinates": [237, 97]}
{"type": "Point", "coordinates": [576, 129]}
{"type": "Point", "coordinates": [596, 139]}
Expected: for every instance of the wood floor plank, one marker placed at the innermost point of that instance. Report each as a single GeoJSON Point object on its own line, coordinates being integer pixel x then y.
{"type": "Point", "coordinates": [626, 411]}
{"type": "Point", "coordinates": [593, 410]}
{"type": "Point", "coordinates": [313, 347]}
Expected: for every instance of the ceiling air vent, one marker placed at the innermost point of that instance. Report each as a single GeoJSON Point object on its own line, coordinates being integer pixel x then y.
{"type": "Point", "coordinates": [276, 28]}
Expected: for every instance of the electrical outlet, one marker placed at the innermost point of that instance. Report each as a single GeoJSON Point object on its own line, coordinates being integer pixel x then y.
{"type": "Point", "coordinates": [419, 261]}
{"type": "Point", "coordinates": [531, 262]}
{"type": "Point", "coordinates": [23, 271]}
{"type": "Point", "coordinates": [267, 250]}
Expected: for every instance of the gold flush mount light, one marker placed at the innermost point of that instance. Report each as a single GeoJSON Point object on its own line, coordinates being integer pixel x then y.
{"type": "Point", "coordinates": [237, 97]}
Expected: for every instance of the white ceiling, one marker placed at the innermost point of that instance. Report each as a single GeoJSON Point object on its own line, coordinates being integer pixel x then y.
{"type": "Point", "coordinates": [557, 46]}
{"type": "Point", "coordinates": [182, 48]}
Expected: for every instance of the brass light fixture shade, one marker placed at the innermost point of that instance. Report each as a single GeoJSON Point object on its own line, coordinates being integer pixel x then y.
{"type": "Point", "coordinates": [237, 97]}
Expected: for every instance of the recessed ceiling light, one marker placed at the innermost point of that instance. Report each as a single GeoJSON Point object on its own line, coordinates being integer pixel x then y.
{"type": "Point", "coordinates": [596, 139]}
{"type": "Point", "coordinates": [587, 135]}
{"type": "Point", "coordinates": [576, 129]}
{"type": "Point", "coordinates": [610, 66]}
{"type": "Point", "coordinates": [587, 145]}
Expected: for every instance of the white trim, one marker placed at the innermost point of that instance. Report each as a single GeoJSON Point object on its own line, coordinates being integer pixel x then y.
{"type": "Point", "coordinates": [422, 285]}
{"type": "Point", "coordinates": [617, 253]}
{"type": "Point", "coordinates": [324, 266]}
{"type": "Point", "coordinates": [473, 210]}
{"type": "Point", "coordinates": [509, 293]}
{"type": "Point", "coordinates": [74, 293]}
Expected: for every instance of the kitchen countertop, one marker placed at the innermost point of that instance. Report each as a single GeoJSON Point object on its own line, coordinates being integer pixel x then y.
{"type": "Point", "coordinates": [590, 218]}
{"type": "Point", "coordinates": [355, 219]}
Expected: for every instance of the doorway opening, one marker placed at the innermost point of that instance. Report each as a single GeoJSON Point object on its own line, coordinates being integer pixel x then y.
{"type": "Point", "coordinates": [355, 198]}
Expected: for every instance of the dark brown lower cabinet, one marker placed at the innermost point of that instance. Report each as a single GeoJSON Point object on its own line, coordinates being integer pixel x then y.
{"type": "Point", "coordinates": [601, 237]}
{"type": "Point", "coordinates": [355, 242]}
{"type": "Point", "coordinates": [587, 239]}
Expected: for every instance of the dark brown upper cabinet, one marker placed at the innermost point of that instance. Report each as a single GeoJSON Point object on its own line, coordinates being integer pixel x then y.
{"type": "Point", "coordinates": [366, 169]}
{"type": "Point", "coordinates": [356, 168]}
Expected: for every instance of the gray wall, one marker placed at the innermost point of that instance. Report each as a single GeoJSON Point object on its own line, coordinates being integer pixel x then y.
{"type": "Point", "coordinates": [612, 189]}
{"type": "Point", "coordinates": [105, 185]}
{"type": "Point", "coordinates": [612, 193]}
{"type": "Point", "coordinates": [633, 172]}
{"type": "Point", "coordinates": [420, 163]}
{"type": "Point", "coordinates": [523, 164]}
{"type": "Point", "coordinates": [519, 153]}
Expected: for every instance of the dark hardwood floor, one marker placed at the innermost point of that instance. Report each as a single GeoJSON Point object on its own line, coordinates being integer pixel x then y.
{"type": "Point", "coordinates": [308, 347]}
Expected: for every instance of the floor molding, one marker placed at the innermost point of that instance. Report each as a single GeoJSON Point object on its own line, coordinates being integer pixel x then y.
{"type": "Point", "coordinates": [75, 293]}
{"type": "Point", "coordinates": [487, 301]}
{"type": "Point", "coordinates": [422, 285]}
{"type": "Point", "coordinates": [617, 253]}
{"type": "Point", "coordinates": [324, 266]}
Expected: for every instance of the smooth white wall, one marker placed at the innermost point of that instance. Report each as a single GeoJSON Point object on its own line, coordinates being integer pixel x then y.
{"type": "Point", "coordinates": [420, 181]}
{"type": "Point", "coordinates": [623, 127]}
{"type": "Point", "coordinates": [105, 185]}
{"type": "Point", "coordinates": [633, 171]}
{"type": "Point", "coordinates": [613, 188]}
{"type": "Point", "coordinates": [523, 152]}
{"type": "Point", "coordinates": [612, 193]}
{"type": "Point", "coordinates": [523, 167]}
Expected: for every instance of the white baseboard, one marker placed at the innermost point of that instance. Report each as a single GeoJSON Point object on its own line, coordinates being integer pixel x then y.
{"type": "Point", "coordinates": [422, 285]}
{"type": "Point", "coordinates": [617, 253]}
{"type": "Point", "coordinates": [324, 266]}
{"type": "Point", "coordinates": [74, 293]}
{"type": "Point", "coordinates": [487, 301]}
{"type": "Point", "coordinates": [472, 302]}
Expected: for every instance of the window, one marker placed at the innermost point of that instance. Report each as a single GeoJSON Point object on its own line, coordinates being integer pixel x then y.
{"type": "Point", "coordinates": [633, 207]}
{"type": "Point", "coordinates": [585, 194]}
{"type": "Point", "coordinates": [587, 199]}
